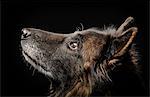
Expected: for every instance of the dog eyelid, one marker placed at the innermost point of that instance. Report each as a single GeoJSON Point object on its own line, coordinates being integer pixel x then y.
{"type": "Point", "coordinates": [73, 45]}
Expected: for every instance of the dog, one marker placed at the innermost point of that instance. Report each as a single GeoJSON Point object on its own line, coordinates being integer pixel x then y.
{"type": "Point", "coordinates": [81, 63]}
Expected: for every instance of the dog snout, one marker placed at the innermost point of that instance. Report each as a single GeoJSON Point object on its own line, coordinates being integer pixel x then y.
{"type": "Point", "coordinates": [26, 33]}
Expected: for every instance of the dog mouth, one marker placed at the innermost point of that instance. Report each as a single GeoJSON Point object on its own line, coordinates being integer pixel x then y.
{"type": "Point", "coordinates": [36, 65]}
{"type": "Point", "coordinates": [41, 68]}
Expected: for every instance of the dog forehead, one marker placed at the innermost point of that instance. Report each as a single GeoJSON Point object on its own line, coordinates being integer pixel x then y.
{"type": "Point", "coordinates": [91, 35]}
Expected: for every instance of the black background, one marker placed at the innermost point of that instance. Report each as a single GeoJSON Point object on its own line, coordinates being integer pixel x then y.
{"type": "Point", "coordinates": [61, 17]}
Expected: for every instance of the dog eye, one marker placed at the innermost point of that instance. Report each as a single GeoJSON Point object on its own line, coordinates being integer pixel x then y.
{"type": "Point", "coordinates": [73, 45]}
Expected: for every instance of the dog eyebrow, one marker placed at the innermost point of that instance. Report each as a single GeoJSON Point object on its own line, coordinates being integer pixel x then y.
{"type": "Point", "coordinates": [111, 30]}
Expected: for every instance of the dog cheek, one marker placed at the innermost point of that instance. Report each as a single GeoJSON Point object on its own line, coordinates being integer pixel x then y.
{"type": "Point", "coordinates": [91, 51]}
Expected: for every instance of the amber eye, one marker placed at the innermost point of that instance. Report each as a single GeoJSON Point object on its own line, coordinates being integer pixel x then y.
{"type": "Point", "coordinates": [73, 45]}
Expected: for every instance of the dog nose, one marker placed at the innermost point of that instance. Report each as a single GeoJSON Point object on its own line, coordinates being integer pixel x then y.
{"type": "Point", "coordinates": [26, 33]}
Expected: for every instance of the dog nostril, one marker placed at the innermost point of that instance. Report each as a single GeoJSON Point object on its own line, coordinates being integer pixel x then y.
{"type": "Point", "coordinates": [26, 33]}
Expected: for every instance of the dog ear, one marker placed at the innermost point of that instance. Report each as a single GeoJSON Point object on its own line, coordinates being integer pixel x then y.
{"type": "Point", "coordinates": [121, 43]}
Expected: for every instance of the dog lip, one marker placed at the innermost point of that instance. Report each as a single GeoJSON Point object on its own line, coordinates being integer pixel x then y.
{"type": "Point", "coordinates": [33, 60]}
{"type": "Point", "coordinates": [36, 64]}
{"type": "Point", "coordinates": [23, 39]}
{"type": "Point", "coordinates": [28, 58]}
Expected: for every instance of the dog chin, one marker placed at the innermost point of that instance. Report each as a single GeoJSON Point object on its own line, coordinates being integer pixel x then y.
{"type": "Point", "coordinates": [36, 65]}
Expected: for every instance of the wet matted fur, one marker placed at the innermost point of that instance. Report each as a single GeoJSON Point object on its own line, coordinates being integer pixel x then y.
{"type": "Point", "coordinates": [81, 63]}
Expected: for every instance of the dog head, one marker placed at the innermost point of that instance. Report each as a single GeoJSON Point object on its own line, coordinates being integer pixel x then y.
{"type": "Point", "coordinates": [77, 62]}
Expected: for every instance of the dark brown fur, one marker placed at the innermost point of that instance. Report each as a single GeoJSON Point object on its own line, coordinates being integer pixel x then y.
{"type": "Point", "coordinates": [81, 71]}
